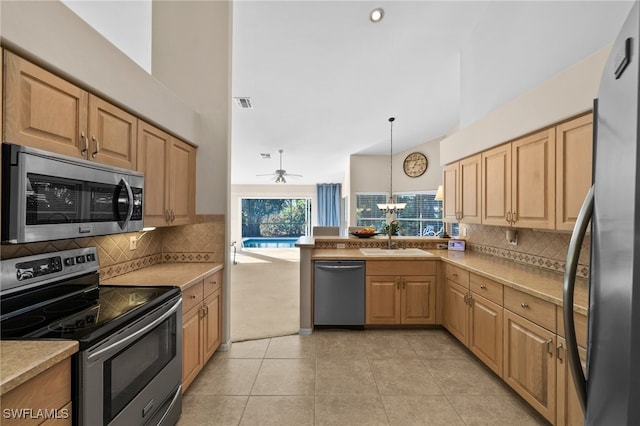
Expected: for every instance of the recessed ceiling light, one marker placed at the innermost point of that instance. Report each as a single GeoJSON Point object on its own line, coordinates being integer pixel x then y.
{"type": "Point", "coordinates": [376, 15]}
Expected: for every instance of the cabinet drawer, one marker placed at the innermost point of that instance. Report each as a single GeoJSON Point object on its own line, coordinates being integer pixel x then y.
{"type": "Point", "coordinates": [192, 296]}
{"type": "Point", "coordinates": [534, 309]}
{"type": "Point", "coordinates": [580, 322]}
{"type": "Point", "coordinates": [212, 283]}
{"type": "Point", "coordinates": [401, 267]}
{"type": "Point", "coordinates": [457, 275]}
{"type": "Point", "coordinates": [486, 288]}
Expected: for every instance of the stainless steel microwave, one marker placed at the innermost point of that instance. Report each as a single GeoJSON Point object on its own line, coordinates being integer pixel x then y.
{"type": "Point", "coordinates": [47, 196]}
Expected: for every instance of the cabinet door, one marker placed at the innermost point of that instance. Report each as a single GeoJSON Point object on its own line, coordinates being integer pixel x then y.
{"type": "Point", "coordinates": [485, 332]}
{"type": "Point", "coordinates": [151, 159]}
{"type": "Point", "coordinates": [450, 188]}
{"type": "Point", "coordinates": [574, 146]}
{"type": "Point", "coordinates": [383, 300]}
{"type": "Point", "coordinates": [418, 300]}
{"type": "Point", "coordinates": [212, 324]}
{"type": "Point", "coordinates": [469, 193]}
{"type": "Point", "coordinates": [42, 110]}
{"type": "Point", "coordinates": [456, 314]}
{"type": "Point", "coordinates": [182, 166]}
{"type": "Point", "coordinates": [496, 185]}
{"type": "Point", "coordinates": [112, 134]}
{"type": "Point", "coordinates": [192, 351]}
{"type": "Point", "coordinates": [530, 364]}
{"type": "Point", "coordinates": [569, 409]}
{"type": "Point", "coordinates": [533, 180]}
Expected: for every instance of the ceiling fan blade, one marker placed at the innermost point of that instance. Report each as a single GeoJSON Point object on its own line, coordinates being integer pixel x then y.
{"type": "Point", "coordinates": [267, 174]}
{"type": "Point", "coordinates": [292, 175]}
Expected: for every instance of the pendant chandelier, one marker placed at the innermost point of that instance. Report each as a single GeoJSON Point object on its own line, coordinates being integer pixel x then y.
{"type": "Point", "coordinates": [391, 206]}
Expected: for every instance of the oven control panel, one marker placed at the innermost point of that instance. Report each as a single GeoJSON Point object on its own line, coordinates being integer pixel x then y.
{"type": "Point", "coordinates": [47, 267]}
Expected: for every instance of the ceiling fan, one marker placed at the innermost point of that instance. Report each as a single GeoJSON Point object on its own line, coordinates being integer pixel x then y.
{"type": "Point", "coordinates": [280, 174]}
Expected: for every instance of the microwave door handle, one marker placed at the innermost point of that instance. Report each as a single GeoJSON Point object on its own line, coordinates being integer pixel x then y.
{"type": "Point", "coordinates": [135, 334]}
{"type": "Point", "coordinates": [569, 282]}
{"type": "Point", "coordinates": [130, 200]}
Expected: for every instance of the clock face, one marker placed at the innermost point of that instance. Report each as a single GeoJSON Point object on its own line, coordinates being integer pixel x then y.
{"type": "Point", "coordinates": [415, 164]}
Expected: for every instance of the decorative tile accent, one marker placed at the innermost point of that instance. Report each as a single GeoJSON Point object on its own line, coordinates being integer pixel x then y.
{"type": "Point", "coordinates": [542, 249]}
{"type": "Point", "coordinates": [200, 242]}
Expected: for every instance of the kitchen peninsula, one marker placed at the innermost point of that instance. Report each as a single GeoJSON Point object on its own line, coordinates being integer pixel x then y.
{"type": "Point", "coordinates": [506, 313]}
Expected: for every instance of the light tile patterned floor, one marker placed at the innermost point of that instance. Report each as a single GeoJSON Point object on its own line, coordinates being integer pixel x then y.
{"type": "Point", "coordinates": [373, 377]}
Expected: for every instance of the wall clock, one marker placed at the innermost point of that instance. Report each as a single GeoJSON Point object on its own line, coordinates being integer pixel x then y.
{"type": "Point", "coordinates": [415, 164]}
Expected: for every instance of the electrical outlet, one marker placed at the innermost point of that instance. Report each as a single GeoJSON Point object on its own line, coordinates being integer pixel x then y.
{"type": "Point", "coordinates": [133, 243]}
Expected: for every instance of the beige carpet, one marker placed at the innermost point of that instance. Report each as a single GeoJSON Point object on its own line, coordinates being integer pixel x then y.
{"type": "Point", "coordinates": [265, 293]}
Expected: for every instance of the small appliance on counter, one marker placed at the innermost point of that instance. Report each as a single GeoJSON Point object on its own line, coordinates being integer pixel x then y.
{"type": "Point", "coordinates": [128, 370]}
{"type": "Point", "coordinates": [456, 245]}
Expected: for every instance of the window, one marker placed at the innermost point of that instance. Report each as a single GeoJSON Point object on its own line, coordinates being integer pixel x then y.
{"type": "Point", "coordinates": [422, 214]}
{"type": "Point", "coordinates": [275, 217]}
{"type": "Point", "coordinates": [367, 211]}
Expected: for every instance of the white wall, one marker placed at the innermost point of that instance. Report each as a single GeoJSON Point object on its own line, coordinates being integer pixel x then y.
{"type": "Point", "coordinates": [49, 33]}
{"type": "Point", "coordinates": [192, 57]}
{"type": "Point", "coordinates": [238, 192]}
{"type": "Point", "coordinates": [370, 173]}
{"type": "Point", "coordinates": [569, 93]}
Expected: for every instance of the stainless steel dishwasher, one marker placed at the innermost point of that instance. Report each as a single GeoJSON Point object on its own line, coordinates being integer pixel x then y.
{"type": "Point", "coordinates": [339, 289]}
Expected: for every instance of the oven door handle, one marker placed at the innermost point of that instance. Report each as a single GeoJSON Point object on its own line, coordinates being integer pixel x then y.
{"type": "Point", "coordinates": [143, 330]}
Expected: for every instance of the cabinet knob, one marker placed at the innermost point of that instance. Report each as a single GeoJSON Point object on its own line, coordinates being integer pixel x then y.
{"type": "Point", "coordinates": [483, 287]}
{"type": "Point", "coordinates": [455, 274]}
{"type": "Point", "coordinates": [524, 305]}
{"type": "Point", "coordinates": [193, 296]}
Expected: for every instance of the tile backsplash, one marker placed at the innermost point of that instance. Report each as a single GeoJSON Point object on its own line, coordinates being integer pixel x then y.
{"type": "Point", "coordinates": [543, 249]}
{"type": "Point", "coordinates": [200, 242]}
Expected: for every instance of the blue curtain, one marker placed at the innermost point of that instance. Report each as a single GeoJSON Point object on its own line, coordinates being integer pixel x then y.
{"type": "Point", "coordinates": [329, 204]}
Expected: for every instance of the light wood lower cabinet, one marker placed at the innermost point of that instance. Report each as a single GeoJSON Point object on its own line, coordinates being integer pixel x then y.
{"type": "Point", "coordinates": [400, 292]}
{"type": "Point", "coordinates": [473, 319]}
{"type": "Point", "coordinates": [49, 390]}
{"type": "Point", "coordinates": [530, 363]}
{"type": "Point", "coordinates": [201, 325]}
{"type": "Point", "coordinates": [569, 410]}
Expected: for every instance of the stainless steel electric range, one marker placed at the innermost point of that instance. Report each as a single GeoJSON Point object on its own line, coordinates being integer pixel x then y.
{"type": "Point", "coordinates": [128, 370]}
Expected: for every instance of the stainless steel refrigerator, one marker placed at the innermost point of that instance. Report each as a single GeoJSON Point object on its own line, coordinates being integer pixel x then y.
{"type": "Point", "coordinates": [611, 392]}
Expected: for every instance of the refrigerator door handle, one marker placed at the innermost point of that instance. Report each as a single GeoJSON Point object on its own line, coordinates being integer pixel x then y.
{"type": "Point", "coordinates": [579, 231]}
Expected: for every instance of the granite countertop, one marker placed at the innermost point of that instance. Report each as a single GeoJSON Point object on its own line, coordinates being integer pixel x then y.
{"type": "Point", "coordinates": [21, 360]}
{"type": "Point", "coordinates": [546, 285]}
{"type": "Point", "coordinates": [166, 274]}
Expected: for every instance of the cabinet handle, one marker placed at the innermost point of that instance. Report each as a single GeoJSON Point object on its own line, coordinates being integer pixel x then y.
{"type": "Point", "coordinates": [508, 217]}
{"type": "Point", "coordinates": [466, 299]}
{"type": "Point", "coordinates": [549, 344]}
{"type": "Point", "coordinates": [404, 284]}
{"type": "Point", "coordinates": [483, 287]}
{"type": "Point", "coordinates": [524, 305]}
{"type": "Point", "coordinates": [559, 353]}
{"type": "Point", "coordinates": [173, 215]}
{"type": "Point", "coordinates": [201, 314]}
{"type": "Point", "coordinates": [470, 300]}
{"type": "Point", "coordinates": [206, 310]}
{"type": "Point", "coordinates": [86, 144]}
{"type": "Point", "coordinates": [97, 146]}
{"type": "Point", "coordinates": [166, 216]}
{"type": "Point", "coordinates": [514, 217]}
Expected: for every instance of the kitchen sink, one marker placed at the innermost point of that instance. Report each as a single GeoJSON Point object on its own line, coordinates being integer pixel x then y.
{"type": "Point", "coordinates": [394, 252]}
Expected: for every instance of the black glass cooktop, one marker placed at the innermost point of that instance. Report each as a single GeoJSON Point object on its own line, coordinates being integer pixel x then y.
{"type": "Point", "coordinates": [87, 316]}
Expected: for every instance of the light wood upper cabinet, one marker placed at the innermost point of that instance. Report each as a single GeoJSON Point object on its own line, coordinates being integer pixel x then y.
{"type": "Point", "coordinates": [533, 181]}
{"type": "Point", "coordinates": [112, 134]}
{"type": "Point", "coordinates": [496, 185]}
{"type": "Point", "coordinates": [574, 155]}
{"type": "Point", "coordinates": [169, 168]}
{"type": "Point", "coordinates": [47, 112]}
{"type": "Point", "coordinates": [450, 187]}
{"type": "Point", "coordinates": [43, 110]}
{"type": "Point", "coordinates": [518, 182]}
{"type": "Point", "coordinates": [462, 190]}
